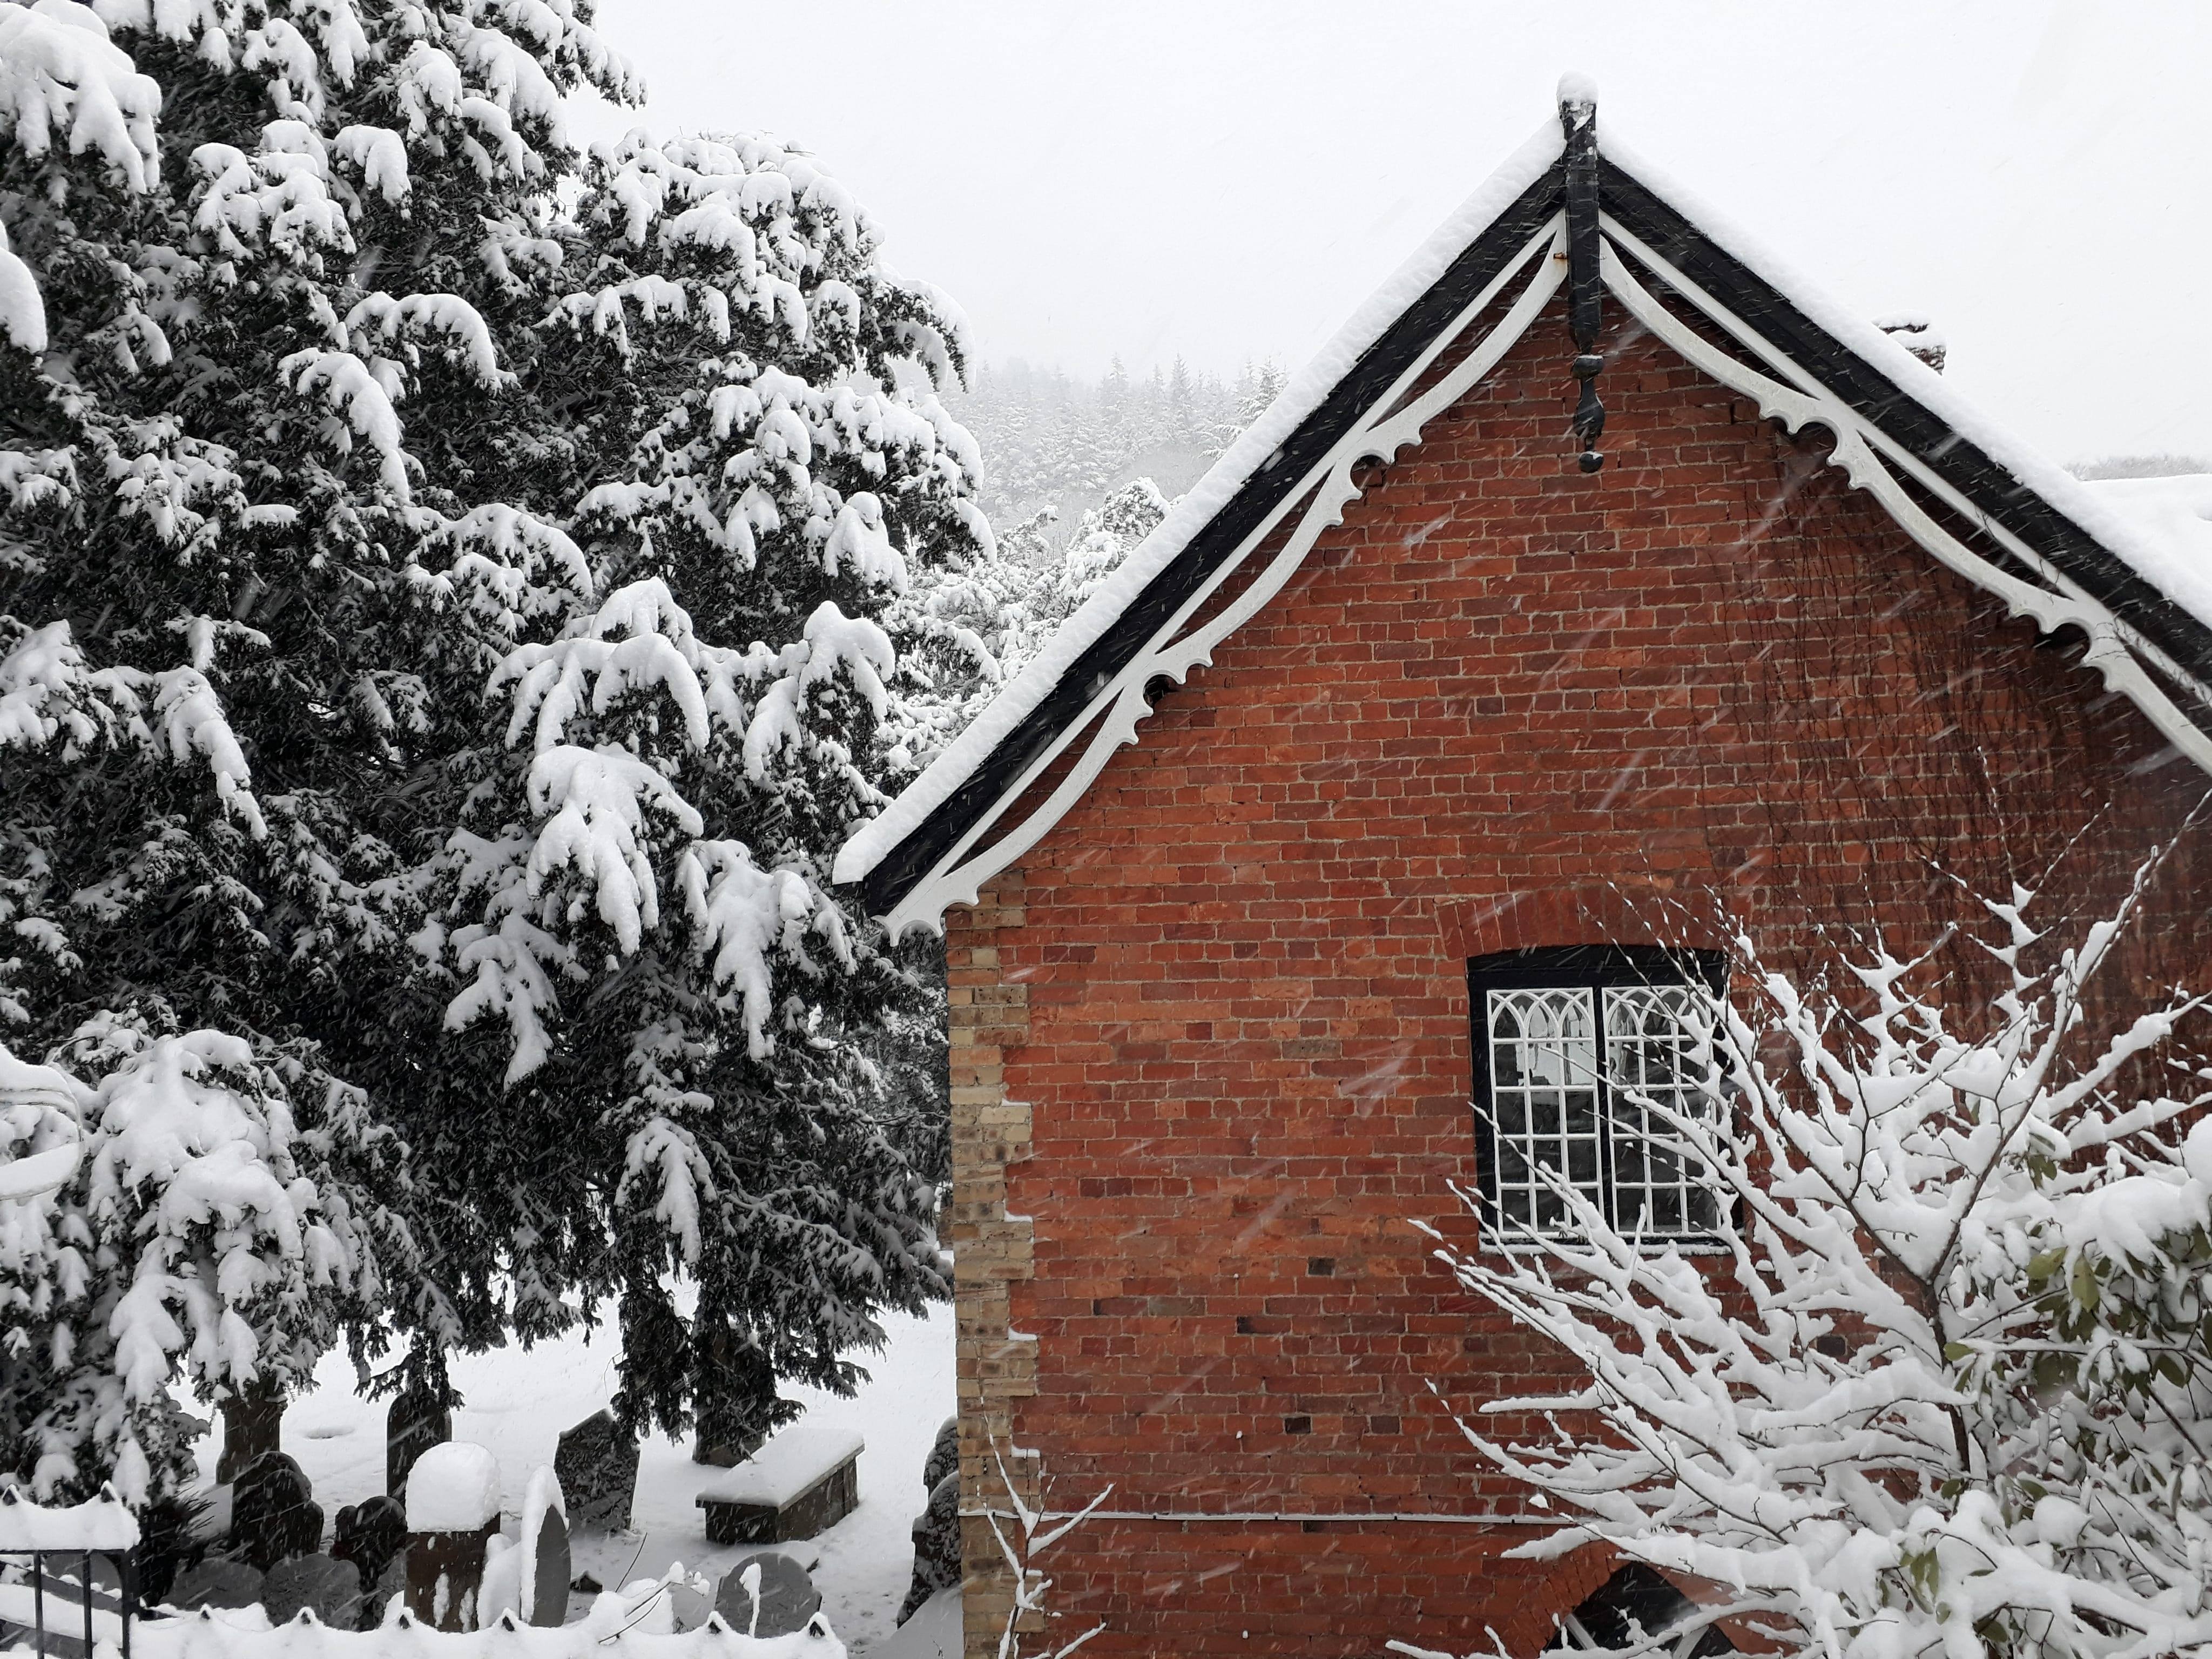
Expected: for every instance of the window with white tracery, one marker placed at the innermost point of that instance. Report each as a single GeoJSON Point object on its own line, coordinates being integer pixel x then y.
{"type": "Point", "coordinates": [1574, 1049]}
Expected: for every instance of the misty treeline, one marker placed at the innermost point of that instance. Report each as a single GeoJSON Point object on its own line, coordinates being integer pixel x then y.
{"type": "Point", "coordinates": [1053, 440]}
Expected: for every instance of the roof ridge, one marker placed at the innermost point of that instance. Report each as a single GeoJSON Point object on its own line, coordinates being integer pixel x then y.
{"type": "Point", "coordinates": [2097, 572]}
{"type": "Point", "coordinates": [1302, 395]}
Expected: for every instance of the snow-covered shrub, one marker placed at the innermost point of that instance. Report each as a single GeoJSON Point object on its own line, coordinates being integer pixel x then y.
{"type": "Point", "coordinates": [1947, 1388]}
{"type": "Point", "coordinates": [212, 1233]}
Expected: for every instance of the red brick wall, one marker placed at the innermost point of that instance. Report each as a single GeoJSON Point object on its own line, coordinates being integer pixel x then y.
{"type": "Point", "coordinates": [1502, 703]}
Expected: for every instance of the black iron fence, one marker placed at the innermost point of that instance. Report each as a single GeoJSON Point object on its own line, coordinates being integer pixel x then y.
{"type": "Point", "coordinates": [55, 1604]}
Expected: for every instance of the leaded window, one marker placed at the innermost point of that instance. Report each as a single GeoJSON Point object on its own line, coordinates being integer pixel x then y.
{"type": "Point", "coordinates": [1573, 1048]}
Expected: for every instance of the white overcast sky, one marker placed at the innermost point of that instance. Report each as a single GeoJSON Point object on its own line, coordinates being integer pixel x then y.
{"type": "Point", "coordinates": [1229, 180]}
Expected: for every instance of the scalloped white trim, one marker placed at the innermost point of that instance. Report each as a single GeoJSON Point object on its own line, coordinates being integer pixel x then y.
{"type": "Point", "coordinates": [2116, 650]}
{"type": "Point", "coordinates": [1862, 451]}
{"type": "Point", "coordinates": [1118, 706]}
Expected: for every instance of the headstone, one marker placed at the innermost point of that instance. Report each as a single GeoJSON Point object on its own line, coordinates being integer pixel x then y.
{"type": "Point", "coordinates": [215, 1582]}
{"type": "Point", "coordinates": [596, 1464]}
{"type": "Point", "coordinates": [273, 1514]}
{"type": "Point", "coordinates": [453, 1516]}
{"type": "Point", "coordinates": [800, 1484]}
{"type": "Point", "coordinates": [690, 1603]}
{"type": "Point", "coordinates": [416, 1421]}
{"type": "Point", "coordinates": [328, 1587]}
{"type": "Point", "coordinates": [445, 1574]}
{"type": "Point", "coordinates": [785, 1597]}
{"type": "Point", "coordinates": [545, 1558]}
{"type": "Point", "coordinates": [944, 1455]}
{"type": "Point", "coordinates": [371, 1536]}
{"type": "Point", "coordinates": [936, 1546]}
{"type": "Point", "coordinates": [252, 1424]}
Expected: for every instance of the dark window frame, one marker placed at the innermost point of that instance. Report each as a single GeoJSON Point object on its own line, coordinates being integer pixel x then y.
{"type": "Point", "coordinates": [1595, 968]}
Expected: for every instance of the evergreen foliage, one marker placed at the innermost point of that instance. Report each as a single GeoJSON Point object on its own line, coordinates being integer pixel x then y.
{"type": "Point", "coordinates": [450, 591]}
{"type": "Point", "coordinates": [976, 626]}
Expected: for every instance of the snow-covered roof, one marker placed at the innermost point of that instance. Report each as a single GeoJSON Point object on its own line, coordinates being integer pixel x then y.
{"type": "Point", "coordinates": [2173, 518]}
{"type": "Point", "coordinates": [2068, 557]}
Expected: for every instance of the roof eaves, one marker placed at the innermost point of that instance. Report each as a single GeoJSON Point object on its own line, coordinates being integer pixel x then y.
{"type": "Point", "coordinates": [888, 857]}
{"type": "Point", "coordinates": [1887, 396]}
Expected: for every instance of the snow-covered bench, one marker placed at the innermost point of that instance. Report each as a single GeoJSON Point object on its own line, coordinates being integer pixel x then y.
{"type": "Point", "coordinates": [804, 1482]}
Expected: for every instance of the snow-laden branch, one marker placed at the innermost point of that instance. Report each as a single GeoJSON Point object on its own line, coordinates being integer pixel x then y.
{"type": "Point", "coordinates": [1948, 1389]}
{"type": "Point", "coordinates": [62, 81]}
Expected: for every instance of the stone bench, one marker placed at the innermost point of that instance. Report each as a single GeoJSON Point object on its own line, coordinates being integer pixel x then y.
{"type": "Point", "coordinates": [804, 1482]}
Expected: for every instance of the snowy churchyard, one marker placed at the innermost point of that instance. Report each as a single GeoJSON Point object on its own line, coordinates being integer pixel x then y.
{"type": "Point", "coordinates": [717, 946]}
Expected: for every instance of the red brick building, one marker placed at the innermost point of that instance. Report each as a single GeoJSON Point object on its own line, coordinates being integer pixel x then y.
{"type": "Point", "coordinates": [1399, 688]}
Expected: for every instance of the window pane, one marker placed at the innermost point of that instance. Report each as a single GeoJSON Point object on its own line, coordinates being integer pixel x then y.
{"type": "Point", "coordinates": [1544, 1101]}
{"type": "Point", "coordinates": [1650, 1054]}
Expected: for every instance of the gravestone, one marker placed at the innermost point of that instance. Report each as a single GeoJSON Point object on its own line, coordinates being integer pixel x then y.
{"type": "Point", "coordinates": [273, 1514]}
{"type": "Point", "coordinates": [391, 1586]}
{"type": "Point", "coordinates": [252, 1424]}
{"type": "Point", "coordinates": [445, 1573]}
{"type": "Point", "coordinates": [215, 1582]}
{"type": "Point", "coordinates": [416, 1421]}
{"type": "Point", "coordinates": [944, 1455]}
{"type": "Point", "coordinates": [936, 1546]}
{"type": "Point", "coordinates": [597, 1464]}
{"type": "Point", "coordinates": [786, 1596]}
{"type": "Point", "coordinates": [545, 1582]}
{"type": "Point", "coordinates": [373, 1536]}
{"type": "Point", "coordinates": [801, 1483]}
{"type": "Point", "coordinates": [452, 1515]}
{"type": "Point", "coordinates": [690, 1603]}
{"type": "Point", "coordinates": [327, 1587]}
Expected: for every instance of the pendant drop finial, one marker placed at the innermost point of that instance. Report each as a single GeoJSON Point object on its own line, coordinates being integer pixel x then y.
{"type": "Point", "coordinates": [1579, 122]}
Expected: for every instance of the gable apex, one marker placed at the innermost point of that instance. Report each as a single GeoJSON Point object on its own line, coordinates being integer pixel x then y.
{"type": "Point", "coordinates": [2047, 547]}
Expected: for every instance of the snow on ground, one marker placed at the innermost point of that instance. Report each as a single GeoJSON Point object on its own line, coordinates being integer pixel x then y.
{"type": "Point", "coordinates": [518, 1403]}
{"type": "Point", "coordinates": [933, 1633]}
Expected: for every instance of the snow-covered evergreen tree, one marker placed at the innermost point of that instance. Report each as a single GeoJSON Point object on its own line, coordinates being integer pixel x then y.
{"type": "Point", "coordinates": [203, 1224]}
{"type": "Point", "coordinates": [644, 869]}
{"type": "Point", "coordinates": [976, 625]}
{"type": "Point", "coordinates": [1947, 1389]}
{"type": "Point", "coordinates": [442, 584]}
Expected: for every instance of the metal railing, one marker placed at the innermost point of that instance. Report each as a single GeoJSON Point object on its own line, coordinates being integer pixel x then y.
{"type": "Point", "coordinates": [106, 1614]}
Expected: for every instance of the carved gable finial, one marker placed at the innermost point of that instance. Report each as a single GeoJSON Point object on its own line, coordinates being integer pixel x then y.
{"type": "Point", "coordinates": [1578, 120]}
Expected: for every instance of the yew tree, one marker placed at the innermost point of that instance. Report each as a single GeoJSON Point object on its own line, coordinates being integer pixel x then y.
{"type": "Point", "coordinates": [443, 576]}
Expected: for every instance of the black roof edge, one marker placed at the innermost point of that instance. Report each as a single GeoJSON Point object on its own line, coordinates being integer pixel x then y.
{"type": "Point", "coordinates": [1987, 483]}
{"type": "Point", "coordinates": [1490, 252]}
